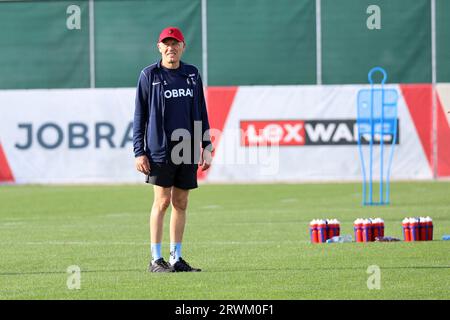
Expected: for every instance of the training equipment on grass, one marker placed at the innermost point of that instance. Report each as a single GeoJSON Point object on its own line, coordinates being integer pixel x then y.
{"type": "Point", "coordinates": [386, 239]}
{"type": "Point", "coordinates": [367, 230]}
{"type": "Point", "coordinates": [417, 229]}
{"type": "Point", "coordinates": [320, 230]}
{"type": "Point", "coordinates": [340, 239]}
{"type": "Point", "coordinates": [377, 125]}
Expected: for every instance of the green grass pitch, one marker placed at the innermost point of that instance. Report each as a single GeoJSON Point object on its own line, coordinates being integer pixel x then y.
{"type": "Point", "coordinates": [252, 242]}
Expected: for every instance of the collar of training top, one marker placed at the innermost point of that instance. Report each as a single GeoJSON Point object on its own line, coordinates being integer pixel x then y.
{"type": "Point", "coordinates": [182, 68]}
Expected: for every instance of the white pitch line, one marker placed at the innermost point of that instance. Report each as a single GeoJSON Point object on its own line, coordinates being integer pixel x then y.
{"type": "Point", "coordinates": [212, 206]}
{"type": "Point", "coordinates": [289, 200]}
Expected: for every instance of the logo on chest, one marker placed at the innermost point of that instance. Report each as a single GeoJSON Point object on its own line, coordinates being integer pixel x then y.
{"type": "Point", "coordinates": [178, 93]}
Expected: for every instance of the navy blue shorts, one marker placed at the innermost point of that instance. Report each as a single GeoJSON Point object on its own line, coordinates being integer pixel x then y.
{"type": "Point", "coordinates": [182, 176]}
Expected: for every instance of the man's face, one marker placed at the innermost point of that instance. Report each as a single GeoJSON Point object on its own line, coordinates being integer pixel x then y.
{"type": "Point", "coordinates": [171, 50]}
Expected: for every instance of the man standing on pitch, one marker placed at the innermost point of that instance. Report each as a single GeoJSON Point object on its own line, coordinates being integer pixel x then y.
{"type": "Point", "coordinates": [170, 110]}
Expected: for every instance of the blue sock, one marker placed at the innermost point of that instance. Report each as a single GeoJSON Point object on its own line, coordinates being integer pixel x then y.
{"type": "Point", "coordinates": [175, 252]}
{"type": "Point", "coordinates": [156, 251]}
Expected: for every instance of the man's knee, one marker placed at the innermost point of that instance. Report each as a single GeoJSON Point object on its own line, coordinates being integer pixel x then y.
{"type": "Point", "coordinates": [161, 203]}
{"type": "Point", "coordinates": [180, 203]}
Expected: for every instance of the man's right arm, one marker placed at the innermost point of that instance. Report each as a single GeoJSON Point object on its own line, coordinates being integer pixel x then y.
{"type": "Point", "coordinates": [140, 123]}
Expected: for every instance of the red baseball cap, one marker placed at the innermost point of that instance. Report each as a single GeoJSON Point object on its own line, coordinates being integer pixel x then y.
{"type": "Point", "coordinates": [171, 32]}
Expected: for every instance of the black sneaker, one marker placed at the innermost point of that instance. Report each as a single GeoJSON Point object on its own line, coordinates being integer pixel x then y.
{"type": "Point", "coordinates": [183, 266]}
{"type": "Point", "coordinates": [160, 266]}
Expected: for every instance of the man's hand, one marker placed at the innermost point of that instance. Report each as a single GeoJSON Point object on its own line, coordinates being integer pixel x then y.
{"type": "Point", "coordinates": [206, 159]}
{"type": "Point", "coordinates": [142, 164]}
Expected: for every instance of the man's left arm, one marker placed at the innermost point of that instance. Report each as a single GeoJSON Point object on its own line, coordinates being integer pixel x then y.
{"type": "Point", "coordinates": [207, 145]}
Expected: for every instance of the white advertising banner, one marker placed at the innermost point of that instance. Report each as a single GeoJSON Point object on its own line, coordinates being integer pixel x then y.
{"type": "Point", "coordinates": [68, 136]}
{"type": "Point", "coordinates": [269, 134]}
{"type": "Point", "coordinates": [315, 129]}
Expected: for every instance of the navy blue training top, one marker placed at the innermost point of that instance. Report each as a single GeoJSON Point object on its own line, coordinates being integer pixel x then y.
{"type": "Point", "coordinates": [179, 98]}
{"type": "Point", "coordinates": [150, 136]}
